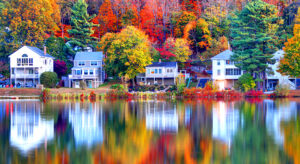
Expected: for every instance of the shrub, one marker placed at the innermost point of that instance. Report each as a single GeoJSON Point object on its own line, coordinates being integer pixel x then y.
{"type": "Point", "coordinates": [180, 84]}
{"type": "Point", "coordinates": [246, 82]}
{"type": "Point", "coordinates": [82, 84]}
{"type": "Point", "coordinates": [254, 93]}
{"type": "Point", "coordinates": [49, 79]}
{"type": "Point", "coordinates": [282, 90]}
{"type": "Point", "coordinates": [118, 87]}
{"type": "Point", "coordinates": [46, 94]}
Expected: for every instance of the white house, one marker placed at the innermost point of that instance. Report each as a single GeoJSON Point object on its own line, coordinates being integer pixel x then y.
{"type": "Point", "coordinates": [225, 73]}
{"type": "Point", "coordinates": [163, 73]}
{"type": "Point", "coordinates": [27, 64]}
{"type": "Point", "coordinates": [88, 66]}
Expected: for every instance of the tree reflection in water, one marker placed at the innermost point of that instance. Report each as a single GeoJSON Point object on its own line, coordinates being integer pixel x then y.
{"type": "Point", "coordinates": [200, 131]}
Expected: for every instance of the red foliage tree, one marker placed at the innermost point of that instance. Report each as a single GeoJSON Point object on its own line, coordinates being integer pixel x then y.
{"type": "Point", "coordinates": [60, 67]}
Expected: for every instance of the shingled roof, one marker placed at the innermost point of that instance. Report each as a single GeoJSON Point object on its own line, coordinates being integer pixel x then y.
{"type": "Point", "coordinates": [225, 55]}
{"type": "Point", "coordinates": [89, 56]}
{"type": "Point", "coordinates": [163, 64]}
{"type": "Point", "coordinates": [39, 52]}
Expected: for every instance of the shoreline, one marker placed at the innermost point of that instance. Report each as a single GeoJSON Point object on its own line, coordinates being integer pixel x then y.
{"type": "Point", "coordinates": [75, 93]}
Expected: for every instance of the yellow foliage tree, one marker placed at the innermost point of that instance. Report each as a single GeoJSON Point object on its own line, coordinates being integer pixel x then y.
{"type": "Point", "coordinates": [30, 21]}
{"type": "Point", "coordinates": [290, 64]}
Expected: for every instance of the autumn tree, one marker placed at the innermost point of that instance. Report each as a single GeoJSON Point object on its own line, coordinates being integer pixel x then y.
{"type": "Point", "coordinates": [179, 20]}
{"type": "Point", "coordinates": [81, 29]}
{"type": "Point", "coordinates": [30, 21]}
{"type": "Point", "coordinates": [106, 19]}
{"type": "Point", "coordinates": [254, 38]}
{"type": "Point", "coordinates": [60, 68]}
{"type": "Point", "coordinates": [198, 35]}
{"type": "Point", "coordinates": [179, 47]}
{"type": "Point", "coordinates": [290, 64]}
{"type": "Point", "coordinates": [218, 21]}
{"type": "Point", "coordinates": [128, 54]}
{"type": "Point", "coordinates": [217, 46]}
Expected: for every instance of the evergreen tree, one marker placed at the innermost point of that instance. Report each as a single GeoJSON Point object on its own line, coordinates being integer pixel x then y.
{"type": "Point", "coordinates": [254, 38]}
{"type": "Point", "coordinates": [81, 29]}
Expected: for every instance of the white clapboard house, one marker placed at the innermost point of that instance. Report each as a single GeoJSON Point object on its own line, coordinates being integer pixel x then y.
{"type": "Point", "coordinates": [27, 64]}
{"type": "Point", "coordinates": [225, 74]}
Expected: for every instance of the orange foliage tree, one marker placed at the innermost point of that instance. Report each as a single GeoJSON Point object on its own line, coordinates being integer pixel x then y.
{"type": "Point", "coordinates": [31, 21]}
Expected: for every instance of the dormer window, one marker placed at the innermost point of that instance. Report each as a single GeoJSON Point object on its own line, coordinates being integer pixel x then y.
{"type": "Point", "coordinates": [219, 62]}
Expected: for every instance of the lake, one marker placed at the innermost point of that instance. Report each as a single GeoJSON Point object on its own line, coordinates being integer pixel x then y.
{"type": "Point", "coordinates": [150, 131]}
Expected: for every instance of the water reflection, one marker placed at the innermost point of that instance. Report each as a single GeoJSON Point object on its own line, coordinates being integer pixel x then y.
{"type": "Point", "coordinates": [202, 131]}
{"type": "Point", "coordinates": [27, 128]}
{"type": "Point", "coordinates": [87, 123]}
{"type": "Point", "coordinates": [226, 121]}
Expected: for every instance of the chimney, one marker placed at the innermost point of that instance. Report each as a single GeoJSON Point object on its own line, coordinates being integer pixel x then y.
{"type": "Point", "coordinates": [159, 60]}
{"type": "Point", "coordinates": [45, 50]}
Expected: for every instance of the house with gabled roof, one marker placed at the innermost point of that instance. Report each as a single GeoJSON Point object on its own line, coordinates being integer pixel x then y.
{"type": "Point", "coordinates": [225, 74]}
{"type": "Point", "coordinates": [88, 66]}
{"type": "Point", "coordinates": [27, 64]}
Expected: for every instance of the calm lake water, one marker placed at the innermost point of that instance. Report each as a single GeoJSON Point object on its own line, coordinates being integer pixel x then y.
{"type": "Point", "coordinates": [150, 131]}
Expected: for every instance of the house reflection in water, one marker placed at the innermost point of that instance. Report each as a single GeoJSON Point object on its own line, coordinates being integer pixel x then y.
{"type": "Point", "coordinates": [276, 114]}
{"type": "Point", "coordinates": [27, 128]}
{"type": "Point", "coordinates": [161, 116]}
{"type": "Point", "coordinates": [86, 120]}
{"type": "Point", "coordinates": [226, 121]}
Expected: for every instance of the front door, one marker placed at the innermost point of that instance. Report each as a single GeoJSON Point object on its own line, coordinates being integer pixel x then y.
{"type": "Point", "coordinates": [90, 84]}
{"type": "Point", "coordinates": [77, 84]}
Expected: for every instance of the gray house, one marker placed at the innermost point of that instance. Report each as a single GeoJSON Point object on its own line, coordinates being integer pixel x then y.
{"type": "Point", "coordinates": [88, 66]}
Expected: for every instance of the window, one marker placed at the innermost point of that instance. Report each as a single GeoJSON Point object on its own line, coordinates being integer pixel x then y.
{"type": "Point", "coordinates": [24, 56]}
{"type": "Point", "coordinates": [81, 63]}
{"type": "Point", "coordinates": [78, 72]}
{"type": "Point", "coordinates": [156, 71]}
{"type": "Point", "coordinates": [94, 63]}
{"type": "Point", "coordinates": [30, 61]}
{"type": "Point", "coordinates": [86, 72]}
{"type": "Point", "coordinates": [45, 62]}
{"type": "Point", "coordinates": [19, 61]}
{"type": "Point", "coordinates": [229, 62]}
{"type": "Point", "coordinates": [91, 72]}
{"type": "Point", "coordinates": [219, 63]}
{"type": "Point", "coordinates": [234, 71]}
{"type": "Point", "coordinates": [13, 71]}
{"type": "Point", "coordinates": [30, 71]}
{"type": "Point", "coordinates": [160, 71]}
{"type": "Point", "coordinates": [148, 71]}
{"type": "Point", "coordinates": [219, 72]}
{"type": "Point", "coordinates": [24, 61]}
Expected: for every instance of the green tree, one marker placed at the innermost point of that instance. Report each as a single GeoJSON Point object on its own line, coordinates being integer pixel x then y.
{"type": "Point", "coordinates": [55, 46]}
{"type": "Point", "coordinates": [81, 29]}
{"type": "Point", "coordinates": [290, 64]}
{"type": "Point", "coordinates": [254, 38]}
{"type": "Point", "coordinates": [49, 79]}
{"type": "Point", "coordinates": [246, 82]}
{"type": "Point", "coordinates": [128, 54]}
